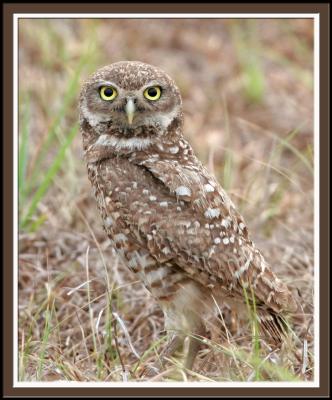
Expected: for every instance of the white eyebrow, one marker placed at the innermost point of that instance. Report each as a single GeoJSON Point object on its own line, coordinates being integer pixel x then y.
{"type": "Point", "coordinates": [106, 83]}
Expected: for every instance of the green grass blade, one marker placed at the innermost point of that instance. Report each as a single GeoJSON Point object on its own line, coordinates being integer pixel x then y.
{"type": "Point", "coordinates": [69, 97]}
{"type": "Point", "coordinates": [254, 82]}
{"type": "Point", "coordinates": [247, 47]}
{"type": "Point", "coordinates": [49, 176]}
{"type": "Point", "coordinates": [228, 163]}
{"type": "Point", "coordinates": [23, 152]}
{"type": "Point", "coordinates": [286, 143]}
{"type": "Point", "coordinates": [44, 342]}
{"type": "Point", "coordinates": [299, 155]}
{"type": "Point", "coordinates": [33, 227]}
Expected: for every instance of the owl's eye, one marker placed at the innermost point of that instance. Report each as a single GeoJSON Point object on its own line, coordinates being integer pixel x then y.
{"type": "Point", "coordinates": [152, 93]}
{"type": "Point", "coordinates": [108, 93]}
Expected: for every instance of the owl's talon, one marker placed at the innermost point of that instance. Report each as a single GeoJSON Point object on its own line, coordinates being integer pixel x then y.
{"type": "Point", "coordinates": [149, 371]}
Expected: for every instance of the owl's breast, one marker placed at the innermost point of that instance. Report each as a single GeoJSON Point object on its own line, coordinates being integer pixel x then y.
{"type": "Point", "coordinates": [127, 190]}
{"type": "Point", "coordinates": [119, 189]}
{"type": "Point", "coordinates": [128, 198]}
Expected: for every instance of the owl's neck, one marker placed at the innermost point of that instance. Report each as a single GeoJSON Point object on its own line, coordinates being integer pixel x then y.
{"type": "Point", "coordinates": [98, 146]}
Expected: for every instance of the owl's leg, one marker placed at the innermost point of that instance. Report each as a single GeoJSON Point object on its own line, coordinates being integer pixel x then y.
{"type": "Point", "coordinates": [194, 346]}
{"type": "Point", "coordinates": [174, 344]}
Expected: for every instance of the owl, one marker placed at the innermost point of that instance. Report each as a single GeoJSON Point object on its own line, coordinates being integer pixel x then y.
{"type": "Point", "coordinates": [167, 217]}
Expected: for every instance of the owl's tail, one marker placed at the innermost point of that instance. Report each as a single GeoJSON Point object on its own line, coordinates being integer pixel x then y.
{"type": "Point", "coordinates": [272, 326]}
{"type": "Point", "coordinates": [277, 326]}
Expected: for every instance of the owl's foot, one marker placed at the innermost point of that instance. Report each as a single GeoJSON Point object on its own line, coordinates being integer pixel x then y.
{"type": "Point", "coordinates": [157, 367]}
{"type": "Point", "coordinates": [149, 371]}
{"type": "Point", "coordinates": [194, 346]}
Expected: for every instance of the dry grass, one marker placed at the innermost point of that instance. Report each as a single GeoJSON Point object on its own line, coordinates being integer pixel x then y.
{"type": "Point", "coordinates": [247, 91]}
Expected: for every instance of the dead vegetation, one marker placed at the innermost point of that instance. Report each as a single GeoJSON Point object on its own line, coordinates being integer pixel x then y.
{"type": "Point", "coordinates": [247, 88]}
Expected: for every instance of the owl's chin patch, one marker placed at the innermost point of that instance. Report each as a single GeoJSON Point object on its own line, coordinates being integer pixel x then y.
{"type": "Point", "coordinates": [113, 129]}
{"type": "Point", "coordinates": [126, 131]}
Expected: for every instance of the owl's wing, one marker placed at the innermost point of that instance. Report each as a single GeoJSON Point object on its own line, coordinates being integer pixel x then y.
{"type": "Point", "coordinates": [208, 238]}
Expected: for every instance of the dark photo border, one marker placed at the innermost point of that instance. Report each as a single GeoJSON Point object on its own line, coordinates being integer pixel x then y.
{"type": "Point", "coordinates": [9, 9]}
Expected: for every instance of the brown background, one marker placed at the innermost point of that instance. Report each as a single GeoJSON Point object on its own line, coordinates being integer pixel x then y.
{"type": "Point", "coordinates": [8, 180]}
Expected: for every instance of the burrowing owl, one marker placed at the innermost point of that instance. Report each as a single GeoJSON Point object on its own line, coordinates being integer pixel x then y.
{"type": "Point", "coordinates": [166, 215]}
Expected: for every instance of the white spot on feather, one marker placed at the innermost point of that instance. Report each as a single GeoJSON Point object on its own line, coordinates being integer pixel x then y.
{"type": "Point", "coordinates": [109, 221]}
{"type": "Point", "coordinates": [269, 297]}
{"type": "Point", "coordinates": [166, 250]}
{"type": "Point", "coordinates": [263, 265]}
{"type": "Point", "coordinates": [243, 268]}
{"type": "Point", "coordinates": [174, 149]}
{"type": "Point", "coordinates": [208, 188]}
{"type": "Point", "coordinates": [120, 237]}
{"type": "Point", "coordinates": [212, 251]}
{"type": "Point", "coordinates": [183, 191]}
{"type": "Point", "coordinates": [212, 213]}
{"type": "Point", "coordinates": [225, 223]}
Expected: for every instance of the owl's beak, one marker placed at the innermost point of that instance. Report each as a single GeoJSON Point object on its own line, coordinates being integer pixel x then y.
{"type": "Point", "coordinates": [130, 109]}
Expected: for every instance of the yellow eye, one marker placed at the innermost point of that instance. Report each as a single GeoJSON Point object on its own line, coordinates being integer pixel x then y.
{"type": "Point", "coordinates": [108, 93]}
{"type": "Point", "coordinates": [152, 93]}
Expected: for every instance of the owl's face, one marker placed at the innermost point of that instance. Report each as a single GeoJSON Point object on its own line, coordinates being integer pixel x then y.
{"type": "Point", "coordinates": [130, 99]}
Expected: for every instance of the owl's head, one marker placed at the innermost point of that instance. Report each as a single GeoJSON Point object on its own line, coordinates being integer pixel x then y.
{"type": "Point", "coordinates": [130, 99]}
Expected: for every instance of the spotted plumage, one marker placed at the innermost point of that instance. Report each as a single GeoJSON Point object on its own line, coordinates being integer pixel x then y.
{"type": "Point", "coordinates": [168, 218]}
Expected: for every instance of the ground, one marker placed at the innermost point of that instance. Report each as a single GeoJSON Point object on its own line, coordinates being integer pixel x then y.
{"type": "Point", "coordinates": [247, 88]}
